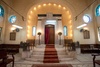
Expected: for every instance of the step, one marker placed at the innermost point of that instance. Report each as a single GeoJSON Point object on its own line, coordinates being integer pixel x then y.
{"type": "Point", "coordinates": [51, 61]}
{"type": "Point", "coordinates": [50, 46]}
{"type": "Point", "coordinates": [34, 60]}
{"type": "Point", "coordinates": [52, 56]}
{"type": "Point", "coordinates": [50, 49]}
{"type": "Point", "coordinates": [50, 53]}
{"type": "Point", "coordinates": [40, 56]}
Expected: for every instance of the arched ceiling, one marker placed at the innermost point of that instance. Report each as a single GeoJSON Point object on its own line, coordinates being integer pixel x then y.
{"type": "Point", "coordinates": [76, 6]}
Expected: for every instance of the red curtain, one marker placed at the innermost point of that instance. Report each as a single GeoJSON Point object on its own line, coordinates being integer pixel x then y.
{"type": "Point", "coordinates": [46, 35]}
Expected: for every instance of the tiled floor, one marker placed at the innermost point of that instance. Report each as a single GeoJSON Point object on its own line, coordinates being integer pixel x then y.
{"type": "Point", "coordinates": [35, 56]}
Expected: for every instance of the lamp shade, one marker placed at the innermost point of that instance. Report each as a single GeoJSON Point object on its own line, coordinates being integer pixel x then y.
{"type": "Point", "coordinates": [39, 33]}
{"type": "Point", "coordinates": [60, 33]}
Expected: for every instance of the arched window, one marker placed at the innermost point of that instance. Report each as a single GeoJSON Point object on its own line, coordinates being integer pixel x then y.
{"type": "Point", "coordinates": [65, 31]}
{"type": "Point", "coordinates": [98, 10]}
{"type": "Point", "coordinates": [34, 31]}
{"type": "Point", "coordinates": [1, 11]}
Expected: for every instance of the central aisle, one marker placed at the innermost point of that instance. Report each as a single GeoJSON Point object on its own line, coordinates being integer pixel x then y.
{"type": "Point", "coordinates": [50, 54]}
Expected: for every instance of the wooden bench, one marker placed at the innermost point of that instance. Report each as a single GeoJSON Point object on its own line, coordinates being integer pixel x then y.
{"type": "Point", "coordinates": [4, 60]}
{"type": "Point", "coordinates": [88, 49]}
{"type": "Point", "coordinates": [94, 59]}
{"type": "Point", "coordinates": [14, 48]}
{"type": "Point", "coordinates": [31, 43]}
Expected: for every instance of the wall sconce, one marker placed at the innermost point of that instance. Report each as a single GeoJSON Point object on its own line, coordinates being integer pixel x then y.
{"type": "Point", "coordinates": [60, 33]}
{"type": "Point", "coordinates": [13, 29]}
{"type": "Point", "coordinates": [39, 33]}
{"type": "Point", "coordinates": [17, 30]}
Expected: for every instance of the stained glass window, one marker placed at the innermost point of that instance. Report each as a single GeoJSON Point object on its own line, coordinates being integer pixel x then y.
{"type": "Point", "coordinates": [65, 31]}
{"type": "Point", "coordinates": [12, 19]}
{"type": "Point", "coordinates": [98, 10]}
{"type": "Point", "coordinates": [1, 11]}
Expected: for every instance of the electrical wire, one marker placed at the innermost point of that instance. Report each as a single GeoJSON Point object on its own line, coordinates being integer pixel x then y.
{"type": "Point", "coordinates": [12, 9]}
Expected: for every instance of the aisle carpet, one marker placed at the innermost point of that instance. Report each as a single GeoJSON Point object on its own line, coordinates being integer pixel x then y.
{"type": "Point", "coordinates": [50, 55]}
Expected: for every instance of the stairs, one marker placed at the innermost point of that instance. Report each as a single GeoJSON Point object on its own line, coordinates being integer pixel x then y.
{"type": "Point", "coordinates": [36, 56]}
{"type": "Point", "coordinates": [50, 55]}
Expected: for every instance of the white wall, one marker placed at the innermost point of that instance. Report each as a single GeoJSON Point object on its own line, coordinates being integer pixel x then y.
{"type": "Point", "coordinates": [77, 36]}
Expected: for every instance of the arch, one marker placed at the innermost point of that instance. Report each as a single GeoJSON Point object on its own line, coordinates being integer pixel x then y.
{"type": "Point", "coordinates": [97, 11]}
{"type": "Point", "coordinates": [63, 3]}
{"type": "Point", "coordinates": [1, 11]}
{"type": "Point", "coordinates": [56, 9]}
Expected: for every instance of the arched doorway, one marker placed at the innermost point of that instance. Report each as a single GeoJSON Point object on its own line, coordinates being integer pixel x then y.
{"type": "Point", "coordinates": [49, 34]}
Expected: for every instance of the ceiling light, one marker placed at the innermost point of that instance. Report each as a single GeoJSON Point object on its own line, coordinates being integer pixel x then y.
{"type": "Point", "coordinates": [54, 4]}
{"type": "Point", "coordinates": [70, 21]}
{"type": "Point", "coordinates": [69, 16]}
{"type": "Point", "coordinates": [39, 5]}
{"type": "Point", "coordinates": [29, 16]}
{"type": "Point", "coordinates": [49, 4]}
{"type": "Point", "coordinates": [31, 12]}
{"type": "Point", "coordinates": [28, 27]}
{"type": "Point", "coordinates": [34, 8]}
{"type": "Point", "coordinates": [59, 6]}
{"type": "Point", "coordinates": [44, 4]}
{"type": "Point", "coordinates": [67, 12]}
{"type": "Point", "coordinates": [64, 8]}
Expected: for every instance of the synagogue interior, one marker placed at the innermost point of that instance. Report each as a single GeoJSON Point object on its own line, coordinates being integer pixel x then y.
{"type": "Point", "coordinates": [49, 33]}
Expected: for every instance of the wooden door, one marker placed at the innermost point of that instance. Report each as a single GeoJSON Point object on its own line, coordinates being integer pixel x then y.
{"type": "Point", "coordinates": [49, 34]}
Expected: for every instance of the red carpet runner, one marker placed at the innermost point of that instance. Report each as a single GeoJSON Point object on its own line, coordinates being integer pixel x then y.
{"type": "Point", "coordinates": [50, 55]}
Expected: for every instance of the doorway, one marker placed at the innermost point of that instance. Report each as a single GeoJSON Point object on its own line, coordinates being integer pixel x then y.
{"type": "Point", "coordinates": [49, 34]}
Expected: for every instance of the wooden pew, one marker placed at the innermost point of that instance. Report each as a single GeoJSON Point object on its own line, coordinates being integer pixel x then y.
{"type": "Point", "coordinates": [94, 59]}
{"type": "Point", "coordinates": [31, 43]}
{"type": "Point", "coordinates": [87, 48]}
{"type": "Point", "coordinates": [4, 60]}
{"type": "Point", "coordinates": [13, 48]}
